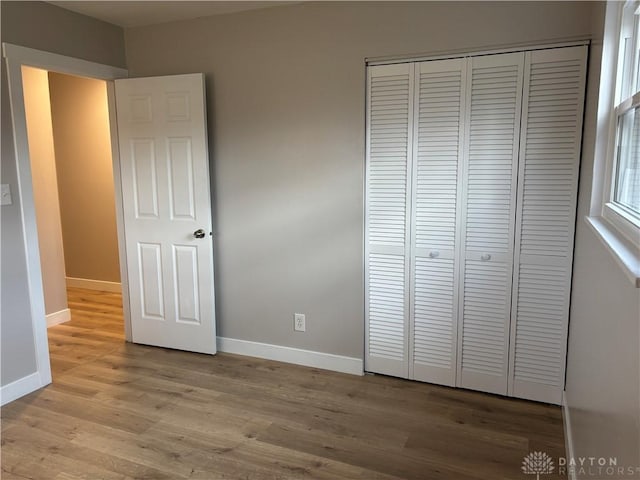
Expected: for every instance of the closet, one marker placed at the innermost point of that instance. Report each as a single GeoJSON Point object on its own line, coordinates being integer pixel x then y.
{"type": "Point", "coordinates": [471, 185]}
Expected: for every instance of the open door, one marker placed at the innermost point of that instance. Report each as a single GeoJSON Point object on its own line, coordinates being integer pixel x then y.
{"type": "Point", "coordinates": [164, 166]}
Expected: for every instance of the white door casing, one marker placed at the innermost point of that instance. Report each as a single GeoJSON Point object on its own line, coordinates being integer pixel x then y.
{"type": "Point", "coordinates": [15, 57]}
{"type": "Point", "coordinates": [166, 199]}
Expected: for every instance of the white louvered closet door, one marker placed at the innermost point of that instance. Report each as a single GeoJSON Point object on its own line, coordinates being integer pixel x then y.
{"type": "Point", "coordinates": [494, 87]}
{"type": "Point", "coordinates": [438, 129]}
{"type": "Point", "coordinates": [548, 176]}
{"type": "Point", "coordinates": [389, 150]}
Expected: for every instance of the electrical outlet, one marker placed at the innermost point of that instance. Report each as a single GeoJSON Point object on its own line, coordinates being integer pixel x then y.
{"type": "Point", "coordinates": [5, 194]}
{"type": "Point", "coordinates": [299, 324]}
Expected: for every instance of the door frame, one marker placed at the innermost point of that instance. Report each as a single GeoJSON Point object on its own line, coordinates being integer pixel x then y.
{"type": "Point", "coordinates": [15, 57]}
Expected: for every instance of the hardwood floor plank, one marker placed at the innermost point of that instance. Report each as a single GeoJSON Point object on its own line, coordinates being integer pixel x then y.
{"type": "Point", "coordinates": [120, 411]}
{"type": "Point", "coordinates": [71, 405]}
{"type": "Point", "coordinates": [40, 453]}
{"type": "Point", "coordinates": [364, 454]}
{"type": "Point", "coordinates": [293, 464]}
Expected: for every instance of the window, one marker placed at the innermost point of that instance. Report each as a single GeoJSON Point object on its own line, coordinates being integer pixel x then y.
{"type": "Point", "coordinates": [627, 187]}
{"type": "Point", "coordinates": [615, 203]}
{"type": "Point", "coordinates": [622, 201]}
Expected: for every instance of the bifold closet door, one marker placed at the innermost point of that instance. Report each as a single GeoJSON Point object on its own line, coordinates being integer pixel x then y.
{"type": "Point", "coordinates": [547, 192]}
{"type": "Point", "coordinates": [471, 187]}
{"type": "Point", "coordinates": [438, 134]}
{"type": "Point", "coordinates": [494, 88]}
{"type": "Point", "coordinates": [389, 151]}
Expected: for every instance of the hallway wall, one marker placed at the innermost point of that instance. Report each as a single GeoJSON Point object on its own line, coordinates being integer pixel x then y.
{"type": "Point", "coordinates": [81, 135]}
{"type": "Point", "coordinates": [45, 187]}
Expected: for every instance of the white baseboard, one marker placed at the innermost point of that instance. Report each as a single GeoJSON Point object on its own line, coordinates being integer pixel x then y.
{"type": "Point", "coordinates": [568, 436]}
{"type": "Point", "coordinates": [20, 388]}
{"type": "Point", "coordinates": [307, 358]}
{"type": "Point", "coordinates": [57, 318]}
{"type": "Point", "coordinates": [94, 284]}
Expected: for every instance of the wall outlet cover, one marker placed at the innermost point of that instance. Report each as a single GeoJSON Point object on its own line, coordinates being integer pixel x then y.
{"type": "Point", "coordinates": [299, 322]}
{"type": "Point", "coordinates": [5, 195]}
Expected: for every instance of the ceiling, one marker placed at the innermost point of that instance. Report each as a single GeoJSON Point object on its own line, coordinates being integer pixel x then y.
{"type": "Point", "coordinates": [149, 12]}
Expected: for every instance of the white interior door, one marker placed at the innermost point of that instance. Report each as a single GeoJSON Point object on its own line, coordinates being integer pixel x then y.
{"type": "Point", "coordinates": [167, 211]}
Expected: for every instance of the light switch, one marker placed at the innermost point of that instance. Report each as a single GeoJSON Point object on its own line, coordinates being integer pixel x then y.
{"type": "Point", "coordinates": [5, 195]}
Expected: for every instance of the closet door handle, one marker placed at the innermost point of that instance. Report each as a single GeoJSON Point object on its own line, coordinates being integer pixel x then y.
{"type": "Point", "coordinates": [434, 254]}
{"type": "Point", "coordinates": [486, 257]}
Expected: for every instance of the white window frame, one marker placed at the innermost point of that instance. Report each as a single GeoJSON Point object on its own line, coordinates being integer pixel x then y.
{"type": "Point", "coordinates": [617, 227]}
{"type": "Point", "coordinates": [625, 221]}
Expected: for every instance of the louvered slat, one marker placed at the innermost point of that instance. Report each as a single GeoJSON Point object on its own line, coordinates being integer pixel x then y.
{"type": "Point", "coordinates": [389, 110]}
{"type": "Point", "coordinates": [433, 306]}
{"type": "Point", "coordinates": [386, 306]}
{"type": "Point", "coordinates": [538, 339]}
{"type": "Point", "coordinates": [492, 137]}
{"type": "Point", "coordinates": [495, 90]}
{"type": "Point", "coordinates": [484, 348]}
{"type": "Point", "coordinates": [548, 175]}
{"type": "Point", "coordinates": [387, 167]}
{"type": "Point", "coordinates": [438, 132]}
{"type": "Point", "coordinates": [437, 151]}
{"type": "Point", "coordinates": [546, 230]}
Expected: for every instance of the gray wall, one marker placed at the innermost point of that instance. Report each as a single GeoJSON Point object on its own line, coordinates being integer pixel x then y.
{"type": "Point", "coordinates": [17, 350]}
{"type": "Point", "coordinates": [41, 26]}
{"type": "Point", "coordinates": [46, 27]}
{"type": "Point", "coordinates": [286, 103]}
{"type": "Point", "coordinates": [603, 366]}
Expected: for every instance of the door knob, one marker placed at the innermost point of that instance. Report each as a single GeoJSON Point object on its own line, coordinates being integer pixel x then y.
{"type": "Point", "coordinates": [199, 233]}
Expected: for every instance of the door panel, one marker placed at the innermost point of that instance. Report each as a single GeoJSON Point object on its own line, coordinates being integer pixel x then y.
{"type": "Point", "coordinates": [181, 181]}
{"type": "Point", "coordinates": [185, 265]}
{"type": "Point", "coordinates": [145, 179]}
{"type": "Point", "coordinates": [166, 198]}
{"type": "Point", "coordinates": [547, 195]}
{"type": "Point", "coordinates": [389, 141]}
{"type": "Point", "coordinates": [494, 87]}
{"type": "Point", "coordinates": [151, 282]}
{"type": "Point", "coordinates": [438, 132]}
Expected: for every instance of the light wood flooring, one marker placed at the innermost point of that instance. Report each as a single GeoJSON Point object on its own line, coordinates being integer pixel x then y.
{"type": "Point", "coordinates": [122, 411]}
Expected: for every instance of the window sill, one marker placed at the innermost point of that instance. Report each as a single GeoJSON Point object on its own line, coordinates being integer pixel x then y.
{"type": "Point", "coordinates": [625, 253]}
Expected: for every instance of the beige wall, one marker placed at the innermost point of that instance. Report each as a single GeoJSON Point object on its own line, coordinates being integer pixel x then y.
{"type": "Point", "coordinates": [45, 187]}
{"type": "Point", "coordinates": [85, 177]}
{"type": "Point", "coordinates": [286, 105]}
{"type": "Point", "coordinates": [44, 26]}
{"type": "Point", "coordinates": [603, 365]}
